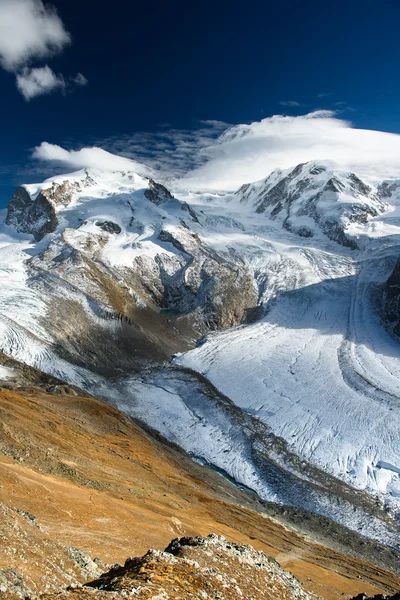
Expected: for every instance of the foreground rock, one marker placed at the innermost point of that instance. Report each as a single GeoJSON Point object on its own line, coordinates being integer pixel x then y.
{"type": "Point", "coordinates": [195, 567]}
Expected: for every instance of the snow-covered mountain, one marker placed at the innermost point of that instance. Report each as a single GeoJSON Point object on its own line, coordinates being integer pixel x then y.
{"type": "Point", "coordinates": [315, 196]}
{"type": "Point", "coordinates": [273, 303]}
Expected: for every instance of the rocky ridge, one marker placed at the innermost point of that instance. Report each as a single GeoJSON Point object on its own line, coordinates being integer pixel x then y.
{"type": "Point", "coordinates": [195, 568]}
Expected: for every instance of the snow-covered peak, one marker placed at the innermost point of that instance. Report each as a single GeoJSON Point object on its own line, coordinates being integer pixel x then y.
{"type": "Point", "coordinates": [98, 181]}
{"type": "Point", "coordinates": [116, 215]}
{"type": "Point", "coordinates": [316, 196]}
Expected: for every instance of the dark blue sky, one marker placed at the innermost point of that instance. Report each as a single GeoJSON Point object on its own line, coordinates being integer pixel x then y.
{"type": "Point", "coordinates": [177, 62]}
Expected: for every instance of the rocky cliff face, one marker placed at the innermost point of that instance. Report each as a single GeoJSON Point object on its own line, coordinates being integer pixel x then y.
{"type": "Point", "coordinates": [38, 216]}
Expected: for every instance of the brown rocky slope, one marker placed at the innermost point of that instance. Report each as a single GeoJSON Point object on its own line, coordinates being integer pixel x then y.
{"type": "Point", "coordinates": [79, 480]}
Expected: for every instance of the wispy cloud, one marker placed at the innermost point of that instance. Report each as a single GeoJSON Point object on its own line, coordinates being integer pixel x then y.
{"type": "Point", "coordinates": [170, 152]}
{"type": "Point", "coordinates": [80, 80]}
{"type": "Point", "coordinates": [324, 95]}
{"type": "Point", "coordinates": [289, 103]}
{"type": "Point", "coordinates": [31, 31]}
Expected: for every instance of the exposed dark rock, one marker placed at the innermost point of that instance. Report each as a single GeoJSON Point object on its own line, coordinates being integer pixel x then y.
{"type": "Point", "coordinates": [38, 217]}
{"type": "Point", "coordinates": [109, 227]}
{"type": "Point", "coordinates": [317, 170]}
{"type": "Point", "coordinates": [359, 186]}
{"type": "Point", "coordinates": [157, 193]}
{"type": "Point", "coordinates": [167, 236]}
{"type": "Point", "coordinates": [192, 213]}
{"type": "Point", "coordinates": [334, 185]}
{"type": "Point", "coordinates": [223, 291]}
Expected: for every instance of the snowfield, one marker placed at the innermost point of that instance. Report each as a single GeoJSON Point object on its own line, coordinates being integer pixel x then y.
{"type": "Point", "coordinates": [317, 369]}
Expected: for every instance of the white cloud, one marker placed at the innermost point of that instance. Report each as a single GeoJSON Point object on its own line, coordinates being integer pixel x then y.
{"type": "Point", "coordinates": [36, 82]}
{"type": "Point", "coordinates": [246, 153]}
{"type": "Point", "coordinates": [32, 31]}
{"type": "Point", "coordinates": [29, 30]}
{"type": "Point", "coordinates": [80, 80]}
{"type": "Point", "coordinates": [88, 158]}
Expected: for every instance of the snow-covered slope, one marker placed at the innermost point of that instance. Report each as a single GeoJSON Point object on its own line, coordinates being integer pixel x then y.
{"type": "Point", "coordinates": [107, 275]}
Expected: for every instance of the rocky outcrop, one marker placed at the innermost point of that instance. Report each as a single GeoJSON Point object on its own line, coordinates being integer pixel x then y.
{"type": "Point", "coordinates": [38, 216]}
{"type": "Point", "coordinates": [392, 299]}
{"type": "Point", "coordinates": [195, 567]}
{"type": "Point", "coordinates": [157, 193]}
{"type": "Point", "coordinates": [109, 227]}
